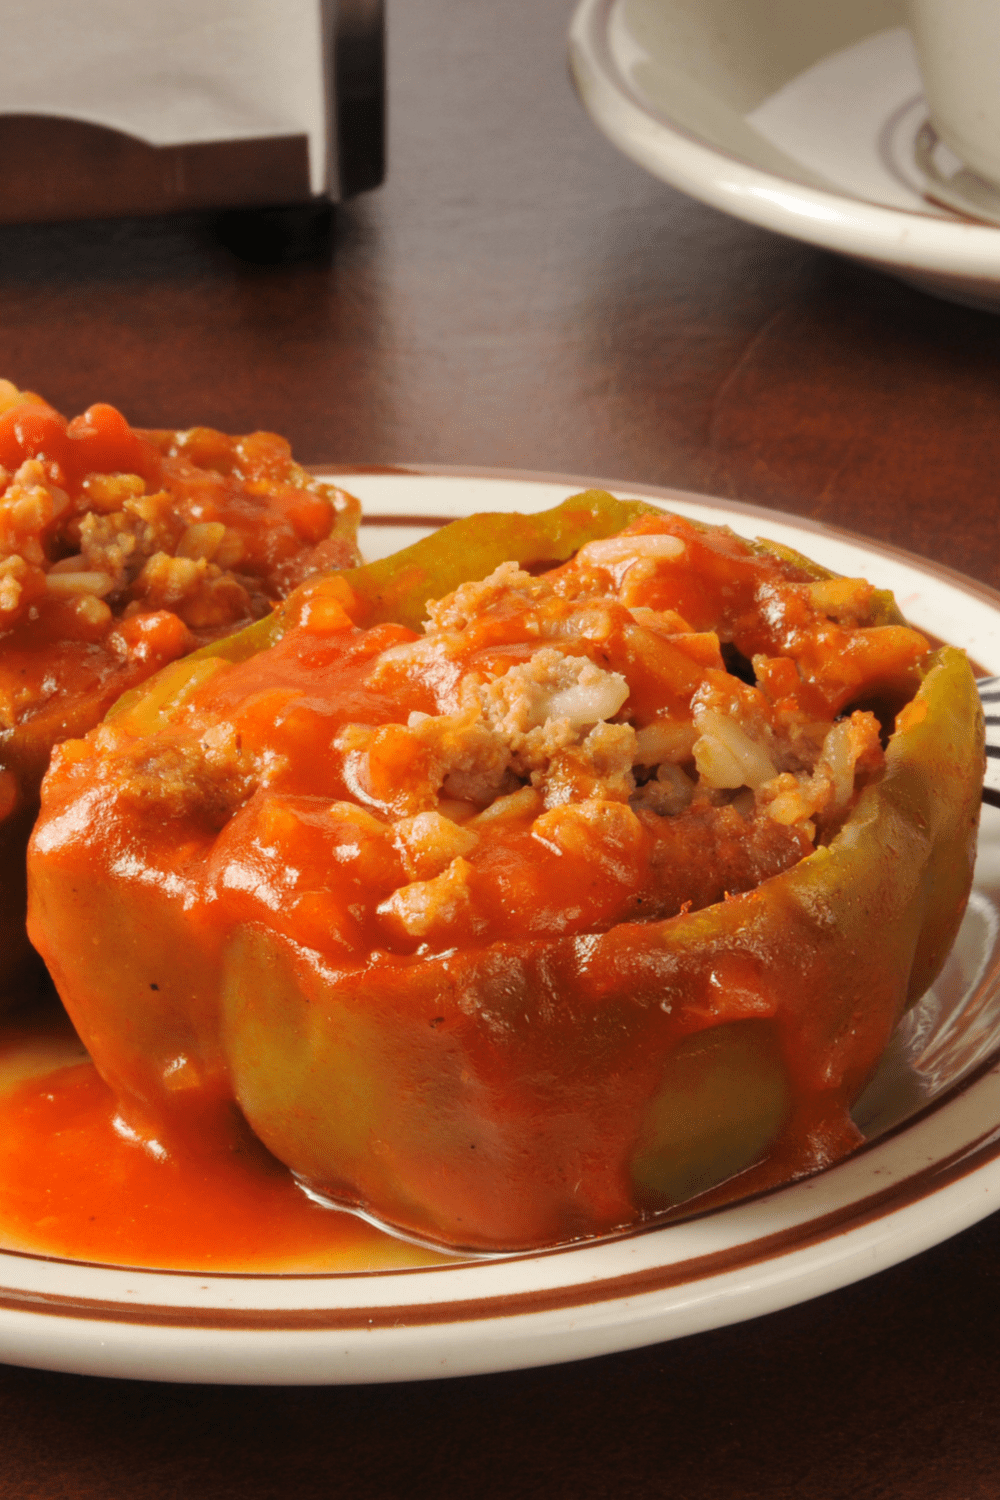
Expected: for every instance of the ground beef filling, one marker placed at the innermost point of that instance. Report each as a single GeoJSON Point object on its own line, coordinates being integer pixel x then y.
{"type": "Point", "coordinates": [554, 756]}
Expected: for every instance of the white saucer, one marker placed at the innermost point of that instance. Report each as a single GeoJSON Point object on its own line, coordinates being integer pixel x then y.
{"type": "Point", "coordinates": [809, 120]}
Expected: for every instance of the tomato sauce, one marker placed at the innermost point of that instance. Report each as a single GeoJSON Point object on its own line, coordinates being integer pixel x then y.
{"type": "Point", "coordinates": [75, 1182]}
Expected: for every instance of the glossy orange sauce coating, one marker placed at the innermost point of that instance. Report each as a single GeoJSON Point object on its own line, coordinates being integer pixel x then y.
{"type": "Point", "coordinates": [320, 874]}
{"type": "Point", "coordinates": [287, 848]}
{"type": "Point", "coordinates": [74, 1184]}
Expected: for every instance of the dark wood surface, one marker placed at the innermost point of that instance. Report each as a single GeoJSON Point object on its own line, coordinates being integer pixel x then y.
{"type": "Point", "coordinates": [518, 295]}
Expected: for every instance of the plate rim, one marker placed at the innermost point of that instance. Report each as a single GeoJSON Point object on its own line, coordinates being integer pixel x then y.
{"type": "Point", "coordinates": [242, 1349]}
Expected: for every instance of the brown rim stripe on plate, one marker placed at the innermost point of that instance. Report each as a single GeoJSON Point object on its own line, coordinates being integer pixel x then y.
{"type": "Point", "coordinates": [687, 1213]}
{"type": "Point", "coordinates": [608, 1289]}
{"type": "Point", "coordinates": [321, 470]}
{"type": "Point", "coordinates": [429, 523]}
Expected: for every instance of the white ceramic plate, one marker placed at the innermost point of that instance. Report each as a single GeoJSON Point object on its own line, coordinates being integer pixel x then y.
{"type": "Point", "coordinates": [802, 117]}
{"type": "Point", "coordinates": [931, 1168]}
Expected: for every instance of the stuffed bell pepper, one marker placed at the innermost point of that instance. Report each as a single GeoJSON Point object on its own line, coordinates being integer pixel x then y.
{"type": "Point", "coordinates": [121, 550]}
{"type": "Point", "coordinates": [600, 893]}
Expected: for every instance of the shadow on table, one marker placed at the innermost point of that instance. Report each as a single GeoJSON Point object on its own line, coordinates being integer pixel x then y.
{"type": "Point", "coordinates": [885, 1389]}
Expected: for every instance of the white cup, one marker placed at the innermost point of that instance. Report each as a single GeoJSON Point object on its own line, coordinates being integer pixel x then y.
{"type": "Point", "coordinates": [958, 46]}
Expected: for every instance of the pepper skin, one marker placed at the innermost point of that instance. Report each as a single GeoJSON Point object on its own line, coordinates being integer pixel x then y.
{"type": "Point", "coordinates": [561, 1074]}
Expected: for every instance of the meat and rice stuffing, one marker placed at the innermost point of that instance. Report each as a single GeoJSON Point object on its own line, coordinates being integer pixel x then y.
{"type": "Point", "coordinates": [607, 887]}
{"type": "Point", "coordinates": [121, 550]}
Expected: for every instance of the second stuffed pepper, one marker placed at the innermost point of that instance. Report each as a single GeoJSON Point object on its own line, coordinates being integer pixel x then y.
{"type": "Point", "coordinates": [121, 550]}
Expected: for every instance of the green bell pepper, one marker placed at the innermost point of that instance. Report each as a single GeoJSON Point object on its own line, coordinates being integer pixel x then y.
{"type": "Point", "coordinates": [497, 1094]}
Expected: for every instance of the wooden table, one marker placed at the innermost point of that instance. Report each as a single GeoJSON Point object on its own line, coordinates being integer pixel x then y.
{"type": "Point", "coordinates": [520, 296]}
